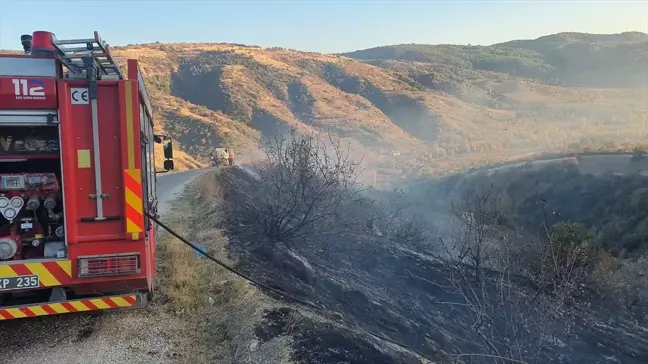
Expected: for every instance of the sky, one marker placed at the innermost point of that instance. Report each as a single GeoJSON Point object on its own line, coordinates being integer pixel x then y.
{"type": "Point", "coordinates": [320, 26]}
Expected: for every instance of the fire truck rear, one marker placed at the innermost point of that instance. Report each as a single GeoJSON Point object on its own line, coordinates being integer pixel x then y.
{"type": "Point", "coordinates": [77, 174]}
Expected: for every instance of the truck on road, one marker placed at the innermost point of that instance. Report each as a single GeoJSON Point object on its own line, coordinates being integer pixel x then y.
{"type": "Point", "coordinates": [221, 157]}
{"type": "Point", "coordinates": [77, 179]}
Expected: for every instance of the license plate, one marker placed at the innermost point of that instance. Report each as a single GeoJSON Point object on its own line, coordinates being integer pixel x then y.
{"type": "Point", "coordinates": [13, 182]}
{"type": "Point", "coordinates": [20, 282]}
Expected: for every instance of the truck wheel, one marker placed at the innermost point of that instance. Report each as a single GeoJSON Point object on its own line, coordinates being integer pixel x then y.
{"type": "Point", "coordinates": [150, 295]}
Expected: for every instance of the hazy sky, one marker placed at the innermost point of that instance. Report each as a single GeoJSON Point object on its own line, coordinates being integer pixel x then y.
{"type": "Point", "coordinates": [323, 26]}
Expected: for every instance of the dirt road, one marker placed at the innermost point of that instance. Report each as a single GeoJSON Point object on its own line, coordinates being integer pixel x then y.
{"type": "Point", "coordinates": [137, 336]}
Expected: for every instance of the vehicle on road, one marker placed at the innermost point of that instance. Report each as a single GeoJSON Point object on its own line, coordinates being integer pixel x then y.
{"type": "Point", "coordinates": [221, 157]}
{"type": "Point", "coordinates": [77, 180]}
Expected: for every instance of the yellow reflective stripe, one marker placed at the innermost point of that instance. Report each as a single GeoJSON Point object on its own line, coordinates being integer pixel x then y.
{"type": "Point", "coordinates": [130, 137]}
{"type": "Point", "coordinates": [132, 227]}
{"type": "Point", "coordinates": [133, 200]}
{"type": "Point", "coordinates": [66, 265]}
{"type": "Point", "coordinates": [135, 174]}
{"type": "Point", "coordinates": [37, 310]}
{"type": "Point", "coordinates": [79, 306]}
{"type": "Point", "coordinates": [6, 271]}
{"type": "Point", "coordinates": [120, 302]}
{"type": "Point", "coordinates": [58, 308]}
{"type": "Point", "coordinates": [16, 313]}
{"type": "Point", "coordinates": [100, 304]}
{"type": "Point", "coordinates": [46, 278]}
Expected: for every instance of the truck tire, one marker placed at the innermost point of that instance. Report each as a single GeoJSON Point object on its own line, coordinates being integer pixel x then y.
{"type": "Point", "coordinates": [150, 295]}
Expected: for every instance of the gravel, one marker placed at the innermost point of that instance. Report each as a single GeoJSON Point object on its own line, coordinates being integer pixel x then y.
{"type": "Point", "coordinates": [149, 335]}
{"type": "Point", "coordinates": [133, 336]}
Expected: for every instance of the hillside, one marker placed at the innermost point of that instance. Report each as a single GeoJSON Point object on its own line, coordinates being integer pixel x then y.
{"type": "Point", "coordinates": [440, 108]}
{"type": "Point", "coordinates": [387, 293]}
{"type": "Point", "coordinates": [565, 59]}
{"type": "Point", "coordinates": [605, 193]}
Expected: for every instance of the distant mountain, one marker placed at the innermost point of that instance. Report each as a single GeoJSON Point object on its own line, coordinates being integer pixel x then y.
{"type": "Point", "coordinates": [559, 40]}
{"type": "Point", "coordinates": [438, 107]}
{"type": "Point", "coordinates": [564, 59]}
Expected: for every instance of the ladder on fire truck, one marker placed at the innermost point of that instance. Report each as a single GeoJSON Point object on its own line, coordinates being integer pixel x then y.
{"type": "Point", "coordinates": [90, 59]}
{"type": "Point", "coordinates": [76, 53]}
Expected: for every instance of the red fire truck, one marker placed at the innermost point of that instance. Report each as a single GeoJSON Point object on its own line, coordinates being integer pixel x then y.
{"type": "Point", "coordinates": [77, 174]}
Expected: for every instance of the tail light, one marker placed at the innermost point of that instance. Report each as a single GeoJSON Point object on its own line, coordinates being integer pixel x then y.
{"type": "Point", "coordinates": [109, 265]}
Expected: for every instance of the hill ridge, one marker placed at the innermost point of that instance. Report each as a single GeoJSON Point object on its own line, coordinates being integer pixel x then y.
{"type": "Point", "coordinates": [439, 107]}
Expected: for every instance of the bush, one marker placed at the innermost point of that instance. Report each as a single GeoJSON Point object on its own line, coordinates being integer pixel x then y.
{"type": "Point", "coordinates": [623, 283]}
{"type": "Point", "coordinates": [303, 182]}
{"type": "Point", "coordinates": [516, 293]}
{"type": "Point", "coordinates": [560, 263]}
{"type": "Point", "coordinates": [410, 232]}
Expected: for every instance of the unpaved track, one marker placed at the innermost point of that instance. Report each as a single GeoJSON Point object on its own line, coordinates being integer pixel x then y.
{"type": "Point", "coordinates": [134, 336]}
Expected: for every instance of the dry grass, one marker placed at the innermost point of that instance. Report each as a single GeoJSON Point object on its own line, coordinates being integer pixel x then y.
{"type": "Point", "coordinates": [222, 308]}
{"type": "Point", "coordinates": [365, 103]}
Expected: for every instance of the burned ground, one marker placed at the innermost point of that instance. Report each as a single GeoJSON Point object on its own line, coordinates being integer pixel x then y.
{"type": "Point", "coordinates": [317, 342]}
{"type": "Point", "coordinates": [372, 286]}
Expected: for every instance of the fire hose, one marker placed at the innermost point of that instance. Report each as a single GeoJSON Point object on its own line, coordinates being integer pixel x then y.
{"type": "Point", "coordinates": [274, 290]}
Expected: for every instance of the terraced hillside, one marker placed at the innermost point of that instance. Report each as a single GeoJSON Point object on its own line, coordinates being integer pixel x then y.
{"type": "Point", "coordinates": [437, 107]}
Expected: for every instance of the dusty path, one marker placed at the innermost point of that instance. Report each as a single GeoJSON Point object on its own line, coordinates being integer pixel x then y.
{"type": "Point", "coordinates": [170, 185]}
{"type": "Point", "coordinates": [135, 336]}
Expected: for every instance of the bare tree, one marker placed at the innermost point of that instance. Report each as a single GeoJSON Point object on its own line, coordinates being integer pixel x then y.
{"type": "Point", "coordinates": [513, 321]}
{"type": "Point", "coordinates": [391, 214]}
{"type": "Point", "coordinates": [304, 180]}
{"type": "Point", "coordinates": [409, 231]}
{"type": "Point", "coordinates": [559, 263]}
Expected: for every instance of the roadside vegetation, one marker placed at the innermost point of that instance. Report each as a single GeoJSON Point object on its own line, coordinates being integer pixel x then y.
{"type": "Point", "coordinates": [484, 291]}
{"type": "Point", "coordinates": [218, 308]}
{"type": "Point", "coordinates": [605, 216]}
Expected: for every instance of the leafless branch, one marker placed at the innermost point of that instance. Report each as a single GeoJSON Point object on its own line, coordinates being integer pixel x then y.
{"type": "Point", "coordinates": [304, 180]}
{"type": "Point", "coordinates": [488, 276]}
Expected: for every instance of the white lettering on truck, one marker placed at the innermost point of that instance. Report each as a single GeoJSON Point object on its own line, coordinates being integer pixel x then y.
{"type": "Point", "coordinates": [28, 89]}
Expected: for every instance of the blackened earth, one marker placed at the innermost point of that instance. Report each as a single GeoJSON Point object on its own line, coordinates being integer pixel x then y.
{"type": "Point", "coordinates": [374, 288]}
